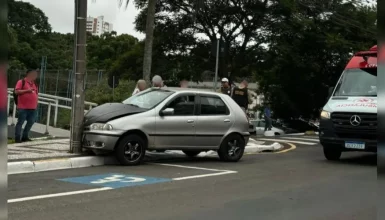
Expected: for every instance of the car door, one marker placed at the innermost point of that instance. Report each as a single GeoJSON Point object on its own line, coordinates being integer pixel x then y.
{"type": "Point", "coordinates": [177, 130]}
{"type": "Point", "coordinates": [214, 120]}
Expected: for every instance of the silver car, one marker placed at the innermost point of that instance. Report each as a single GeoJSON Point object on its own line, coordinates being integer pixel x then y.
{"type": "Point", "coordinates": [168, 119]}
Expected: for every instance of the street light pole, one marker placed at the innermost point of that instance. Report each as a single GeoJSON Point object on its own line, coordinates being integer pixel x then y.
{"type": "Point", "coordinates": [79, 63]}
{"type": "Point", "coordinates": [217, 63]}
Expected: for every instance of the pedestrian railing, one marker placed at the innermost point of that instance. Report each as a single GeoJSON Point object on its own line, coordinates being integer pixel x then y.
{"type": "Point", "coordinates": [50, 101]}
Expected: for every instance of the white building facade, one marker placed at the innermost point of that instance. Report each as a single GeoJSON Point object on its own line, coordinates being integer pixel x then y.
{"type": "Point", "coordinates": [97, 26]}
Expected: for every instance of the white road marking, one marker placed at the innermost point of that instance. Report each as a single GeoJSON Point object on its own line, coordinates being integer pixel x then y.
{"type": "Point", "coordinates": [190, 167]}
{"type": "Point", "coordinates": [204, 175]}
{"type": "Point", "coordinates": [217, 173]}
{"type": "Point", "coordinates": [303, 139]}
{"type": "Point", "coordinates": [58, 195]}
{"type": "Point", "coordinates": [290, 141]}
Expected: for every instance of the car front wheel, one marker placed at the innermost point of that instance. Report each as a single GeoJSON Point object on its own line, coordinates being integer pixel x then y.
{"type": "Point", "coordinates": [130, 150]}
{"type": "Point", "coordinates": [232, 148]}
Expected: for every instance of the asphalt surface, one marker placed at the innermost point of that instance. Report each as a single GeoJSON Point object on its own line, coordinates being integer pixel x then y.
{"type": "Point", "coordinates": [299, 184]}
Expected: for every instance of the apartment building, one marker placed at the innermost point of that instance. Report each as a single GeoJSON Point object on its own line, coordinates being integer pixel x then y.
{"type": "Point", "coordinates": [97, 26]}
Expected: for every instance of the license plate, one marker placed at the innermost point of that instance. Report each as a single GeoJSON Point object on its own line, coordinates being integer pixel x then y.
{"type": "Point", "coordinates": [355, 145]}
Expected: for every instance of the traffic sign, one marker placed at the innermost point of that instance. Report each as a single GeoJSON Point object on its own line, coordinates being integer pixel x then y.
{"type": "Point", "coordinates": [115, 180]}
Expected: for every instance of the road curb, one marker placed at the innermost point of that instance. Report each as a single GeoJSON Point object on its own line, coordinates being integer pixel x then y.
{"type": "Point", "coordinates": [29, 166]}
{"type": "Point", "coordinates": [20, 167]}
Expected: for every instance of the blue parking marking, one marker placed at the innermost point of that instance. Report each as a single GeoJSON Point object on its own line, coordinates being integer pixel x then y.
{"type": "Point", "coordinates": [115, 180]}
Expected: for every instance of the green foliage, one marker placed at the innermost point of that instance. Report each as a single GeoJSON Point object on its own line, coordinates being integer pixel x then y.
{"type": "Point", "coordinates": [310, 53]}
{"type": "Point", "coordinates": [294, 49]}
{"type": "Point", "coordinates": [63, 118]}
{"type": "Point", "coordinates": [102, 93]}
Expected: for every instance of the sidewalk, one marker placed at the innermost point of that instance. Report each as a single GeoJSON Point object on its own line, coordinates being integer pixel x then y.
{"type": "Point", "coordinates": [35, 150]}
{"type": "Point", "coordinates": [53, 154]}
{"type": "Point", "coordinates": [38, 130]}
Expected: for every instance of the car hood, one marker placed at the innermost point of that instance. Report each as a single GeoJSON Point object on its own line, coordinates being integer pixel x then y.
{"type": "Point", "coordinates": [352, 104]}
{"type": "Point", "coordinates": [110, 111]}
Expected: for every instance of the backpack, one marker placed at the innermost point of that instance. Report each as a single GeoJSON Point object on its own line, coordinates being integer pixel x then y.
{"type": "Point", "coordinates": [15, 96]}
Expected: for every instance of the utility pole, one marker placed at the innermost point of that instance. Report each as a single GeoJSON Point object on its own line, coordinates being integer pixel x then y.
{"type": "Point", "coordinates": [147, 59]}
{"type": "Point", "coordinates": [79, 67]}
{"type": "Point", "coordinates": [217, 63]}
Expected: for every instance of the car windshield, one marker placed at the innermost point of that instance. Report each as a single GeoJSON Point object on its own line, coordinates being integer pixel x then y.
{"type": "Point", "coordinates": [357, 82]}
{"type": "Point", "coordinates": [148, 99]}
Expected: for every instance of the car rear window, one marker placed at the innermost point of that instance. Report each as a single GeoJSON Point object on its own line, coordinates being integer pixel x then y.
{"type": "Point", "coordinates": [213, 106]}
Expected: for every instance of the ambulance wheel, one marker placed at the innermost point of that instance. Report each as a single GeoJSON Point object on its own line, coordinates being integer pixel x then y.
{"type": "Point", "coordinates": [332, 153]}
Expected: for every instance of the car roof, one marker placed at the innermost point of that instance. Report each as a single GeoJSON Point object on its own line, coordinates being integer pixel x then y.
{"type": "Point", "coordinates": [193, 90]}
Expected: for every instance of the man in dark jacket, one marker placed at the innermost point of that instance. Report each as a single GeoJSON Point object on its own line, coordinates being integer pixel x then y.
{"type": "Point", "coordinates": [241, 95]}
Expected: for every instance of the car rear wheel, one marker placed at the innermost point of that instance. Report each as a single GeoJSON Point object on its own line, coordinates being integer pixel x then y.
{"type": "Point", "coordinates": [232, 148]}
{"type": "Point", "coordinates": [332, 153]}
{"type": "Point", "coordinates": [191, 153]}
{"type": "Point", "coordinates": [130, 150]}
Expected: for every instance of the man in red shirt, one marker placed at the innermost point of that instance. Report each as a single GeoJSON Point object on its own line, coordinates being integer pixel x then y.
{"type": "Point", "coordinates": [3, 94]}
{"type": "Point", "coordinates": [27, 96]}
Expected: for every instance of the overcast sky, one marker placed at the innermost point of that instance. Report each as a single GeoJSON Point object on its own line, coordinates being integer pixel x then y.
{"type": "Point", "coordinates": [60, 14]}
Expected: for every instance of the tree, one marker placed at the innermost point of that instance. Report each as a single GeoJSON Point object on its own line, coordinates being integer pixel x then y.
{"type": "Point", "coordinates": [147, 57]}
{"type": "Point", "coordinates": [180, 25]}
{"type": "Point", "coordinates": [311, 45]}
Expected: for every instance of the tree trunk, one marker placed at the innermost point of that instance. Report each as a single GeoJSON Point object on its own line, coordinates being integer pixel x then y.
{"type": "Point", "coordinates": [147, 60]}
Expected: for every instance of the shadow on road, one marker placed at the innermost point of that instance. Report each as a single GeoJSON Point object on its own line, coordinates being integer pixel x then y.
{"type": "Point", "coordinates": [185, 160]}
{"type": "Point", "coordinates": [361, 160]}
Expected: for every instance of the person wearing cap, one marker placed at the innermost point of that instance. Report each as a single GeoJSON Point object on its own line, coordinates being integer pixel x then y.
{"type": "Point", "coordinates": [241, 95]}
{"type": "Point", "coordinates": [225, 87]}
{"type": "Point", "coordinates": [27, 100]}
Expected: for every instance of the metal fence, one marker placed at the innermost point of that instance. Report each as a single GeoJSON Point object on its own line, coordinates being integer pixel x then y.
{"type": "Point", "coordinates": [58, 82]}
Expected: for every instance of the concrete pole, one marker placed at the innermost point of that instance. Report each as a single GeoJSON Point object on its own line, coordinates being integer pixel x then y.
{"type": "Point", "coordinates": [217, 64]}
{"type": "Point", "coordinates": [79, 71]}
{"type": "Point", "coordinates": [147, 59]}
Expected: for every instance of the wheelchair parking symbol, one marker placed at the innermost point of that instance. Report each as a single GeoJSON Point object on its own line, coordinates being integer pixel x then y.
{"type": "Point", "coordinates": [115, 180]}
{"type": "Point", "coordinates": [119, 178]}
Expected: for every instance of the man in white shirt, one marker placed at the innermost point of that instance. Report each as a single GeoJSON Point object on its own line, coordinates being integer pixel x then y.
{"type": "Point", "coordinates": [157, 81]}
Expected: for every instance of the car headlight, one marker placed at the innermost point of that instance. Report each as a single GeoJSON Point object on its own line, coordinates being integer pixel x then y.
{"type": "Point", "coordinates": [101, 127]}
{"type": "Point", "coordinates": [325, 115]}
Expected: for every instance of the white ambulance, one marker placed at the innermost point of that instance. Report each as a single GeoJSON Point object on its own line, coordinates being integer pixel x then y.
{"type": "Point", "coordinates": [349, 119]}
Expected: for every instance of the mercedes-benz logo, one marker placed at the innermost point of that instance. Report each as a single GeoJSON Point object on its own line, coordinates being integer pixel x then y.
{"type": "Point", "coordinates": [355, 120]}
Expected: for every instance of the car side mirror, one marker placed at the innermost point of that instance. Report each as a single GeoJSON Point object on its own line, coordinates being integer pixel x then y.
{"type": "Point", "coordinates": [167, 111]}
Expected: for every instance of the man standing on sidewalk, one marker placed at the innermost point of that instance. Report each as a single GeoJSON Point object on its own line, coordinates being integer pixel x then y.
{"type": "Point", "coordinates": [27, 99]}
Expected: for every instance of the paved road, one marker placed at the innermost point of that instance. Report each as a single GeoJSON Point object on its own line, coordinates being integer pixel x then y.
{"type": "Point", "coordinates": [298, 185]}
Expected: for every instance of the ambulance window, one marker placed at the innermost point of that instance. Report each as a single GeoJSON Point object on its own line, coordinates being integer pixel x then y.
{"type": "Point", "coordinates": [357, 82]}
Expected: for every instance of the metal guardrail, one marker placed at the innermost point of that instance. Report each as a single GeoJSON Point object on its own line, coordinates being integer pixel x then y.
{"type": "Point", "coordinates": [49, 100]}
